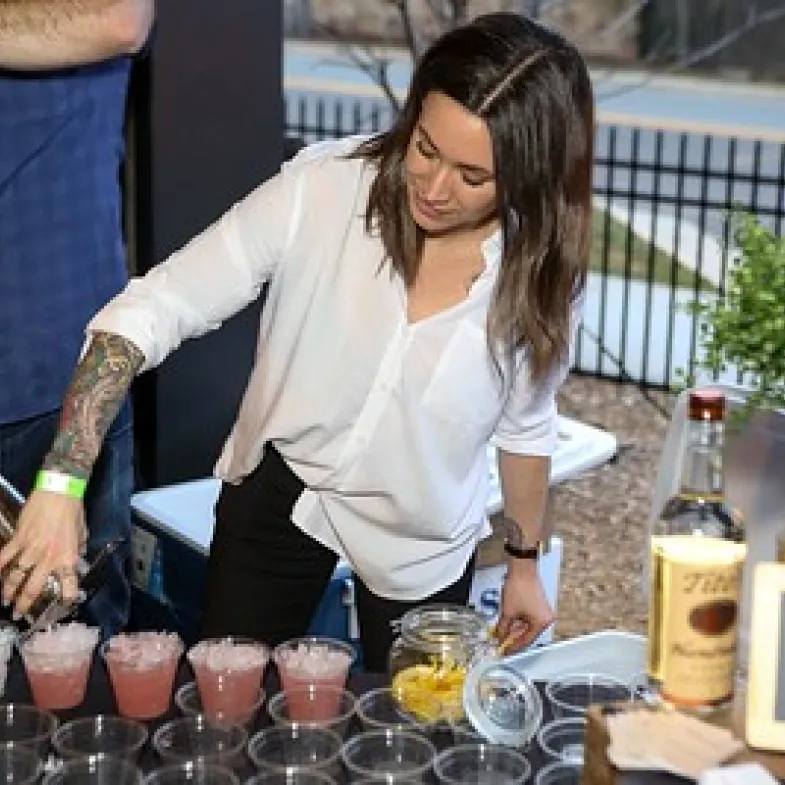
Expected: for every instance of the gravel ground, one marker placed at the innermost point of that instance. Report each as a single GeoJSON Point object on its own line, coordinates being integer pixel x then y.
{"type": "Point", "coordinates": [601, 515]}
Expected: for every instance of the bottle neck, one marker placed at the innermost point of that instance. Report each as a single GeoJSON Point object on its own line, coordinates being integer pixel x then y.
{"type": "Point", "coordinates": [702, 473]}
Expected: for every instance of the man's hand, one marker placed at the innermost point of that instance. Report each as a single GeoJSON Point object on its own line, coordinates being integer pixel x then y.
{"type": "Point", "coordinates": [525, 611]}
{"type": "Point", "coordinates": [49, 539]}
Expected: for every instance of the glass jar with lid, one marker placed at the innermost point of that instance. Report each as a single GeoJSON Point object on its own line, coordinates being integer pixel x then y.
{"type": "Point", "coordinates": [445, 667]}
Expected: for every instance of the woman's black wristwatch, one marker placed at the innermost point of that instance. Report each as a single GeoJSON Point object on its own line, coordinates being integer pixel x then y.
{"type": "Point", "coordinates": [515, 544]}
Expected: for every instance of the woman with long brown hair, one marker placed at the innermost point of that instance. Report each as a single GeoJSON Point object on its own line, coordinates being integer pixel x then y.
{"type": "Point", "coordinates": [424, 288]}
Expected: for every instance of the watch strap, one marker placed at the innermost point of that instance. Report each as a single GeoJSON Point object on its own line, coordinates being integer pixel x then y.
{"type": "Point", "coordinates": [531, 552]}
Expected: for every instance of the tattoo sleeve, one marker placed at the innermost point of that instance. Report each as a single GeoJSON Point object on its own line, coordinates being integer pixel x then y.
{"type": "Point", "coordinates": [98, 389]}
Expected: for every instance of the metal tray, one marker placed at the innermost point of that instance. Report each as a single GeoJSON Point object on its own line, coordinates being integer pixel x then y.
{"type": "Point", "coordinates": [621, 655]}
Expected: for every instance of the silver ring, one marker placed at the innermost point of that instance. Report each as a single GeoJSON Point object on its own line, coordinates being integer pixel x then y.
{"type": "Point", "coordinates": [65, 571]}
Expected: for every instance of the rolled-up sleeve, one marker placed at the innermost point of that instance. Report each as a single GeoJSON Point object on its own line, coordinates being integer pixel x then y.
{"type": "Point", "coordinates": [529, 421]}
{"type": "Point", "coordinates": [211, 278]}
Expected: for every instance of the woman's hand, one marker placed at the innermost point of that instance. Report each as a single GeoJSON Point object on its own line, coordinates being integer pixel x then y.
{"type": "Point", "coordinates": [525, 611]}
{"type": "Point", "coordinates": [50, 537]}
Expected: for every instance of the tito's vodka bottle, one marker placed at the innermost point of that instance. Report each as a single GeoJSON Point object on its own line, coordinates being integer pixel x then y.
{"type": "Point", "coordinates": [698, 551]}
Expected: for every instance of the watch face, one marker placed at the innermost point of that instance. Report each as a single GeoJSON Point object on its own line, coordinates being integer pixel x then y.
{"type": "Point", "coordinates": [512, 533]}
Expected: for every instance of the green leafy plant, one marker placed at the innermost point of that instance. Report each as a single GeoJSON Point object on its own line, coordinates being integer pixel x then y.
{"type": "Point", "coordinates": [745, 328]}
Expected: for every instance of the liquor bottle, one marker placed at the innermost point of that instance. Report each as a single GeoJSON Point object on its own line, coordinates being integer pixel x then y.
{"type": "Point", "coordinates": [50, 607]}
{"type": "Point", "coordinates": [698, 551]}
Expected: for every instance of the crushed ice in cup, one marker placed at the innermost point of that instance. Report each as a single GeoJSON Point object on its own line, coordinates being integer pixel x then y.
{"type": "Point", "coordinates": [143, 650]}
{"type": "Point", "coordinates": [228, 655]}
{"type": "Point", "coordinates": [61, 646]}
{"type": "Point", "coordinates": [315, 660]}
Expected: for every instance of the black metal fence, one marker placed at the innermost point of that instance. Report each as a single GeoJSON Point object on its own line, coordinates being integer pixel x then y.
{"type": "Point", "coordinates": [661, 238]}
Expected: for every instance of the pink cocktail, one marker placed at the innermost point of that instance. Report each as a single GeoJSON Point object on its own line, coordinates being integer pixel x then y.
{"type": "Point", "coordinates": [142, 667]}
{"type": "Point", "coordinates": [229, 674]}
{"type": "Point", "coordinates": [304, 665]}
{"type": "Point", "coordinates": [57, 661]}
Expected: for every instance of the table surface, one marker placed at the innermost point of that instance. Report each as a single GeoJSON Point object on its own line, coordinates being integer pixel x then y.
{"type": "Point", "coordinates": [100, 700]}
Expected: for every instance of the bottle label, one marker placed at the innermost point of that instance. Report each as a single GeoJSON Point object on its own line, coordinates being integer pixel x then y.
{"type": "Point", "coordinates": [694, 629]}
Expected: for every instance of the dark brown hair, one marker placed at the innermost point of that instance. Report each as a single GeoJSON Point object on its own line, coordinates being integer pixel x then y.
{"type": "Point", "coordinates": [533, 90]}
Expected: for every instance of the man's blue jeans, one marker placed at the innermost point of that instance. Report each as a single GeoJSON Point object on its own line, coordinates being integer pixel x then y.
{"type": "Point", "coordinates": [23, 446]}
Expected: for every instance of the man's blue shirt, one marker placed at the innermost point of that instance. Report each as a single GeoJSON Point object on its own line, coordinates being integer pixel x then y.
{"type": "Point", "coordinates": [61, 247]}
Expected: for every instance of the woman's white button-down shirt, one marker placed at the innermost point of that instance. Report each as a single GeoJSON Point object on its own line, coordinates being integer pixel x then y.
{"type": "Point", "coordinates": [386, 422]}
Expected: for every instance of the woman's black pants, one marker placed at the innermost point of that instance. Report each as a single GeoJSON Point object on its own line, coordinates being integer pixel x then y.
{"type": "Point", "coordinates": [266, 578]}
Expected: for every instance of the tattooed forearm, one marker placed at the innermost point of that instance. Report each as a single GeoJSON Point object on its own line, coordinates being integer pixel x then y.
{"type": "Point", "coordinates": [97, 391]}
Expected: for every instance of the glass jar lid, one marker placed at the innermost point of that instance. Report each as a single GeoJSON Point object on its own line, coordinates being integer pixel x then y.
{"type": "Point", "coordinates": [501, 702]}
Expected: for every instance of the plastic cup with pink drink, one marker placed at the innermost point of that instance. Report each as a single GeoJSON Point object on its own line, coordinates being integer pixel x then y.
{"type": "Point", "coordinates": [229, 673]}
{"type": "Point", "coordinates": [308, 661]}
{"type": "Point", "coordinates": [57, 661]}
{"type": "Point", "coordinates": [142, 667]}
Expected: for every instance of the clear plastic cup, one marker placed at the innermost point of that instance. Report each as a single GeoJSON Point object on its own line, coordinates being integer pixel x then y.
{"type": "Point", "coordinates": [390, 753]}
{"type": "Point", "coordinates": [196, 738]}
{"type": "Point", "coordinates": [229, 673]}
{"type": "Point", "coordinates": [19, 765]}
{"type": "Point", "coordinates": [95, 770]}
{"type": "Point", "coordinates": [27, 726]}
{"type": "Point", "coordinates": [192, 773]}
{"type": "Point", "coordinates": [8, 635]}
{"type": "Point", "coordinates": [317, 704]}
{"type": "Point", "coordinates": [564, 739]}
{"type": "Point", "coordinates": [57, 661]}
{"type": "Point", "coordinates": [292, 778]}
{"type": "Point", "coordinates": [189, 702]}
{"type": "Point", "coordinates": [313, 659]}
{"type": "Point", "coordinates": [560, 773]}
{"type": "Point", "coordinates": [481, 764]}
{"type": "Point", "coordinates": [571, 696]}
{"type": "Point", "coordinates": [378, 710]}
{"type": "Point", "coordinates": [142, 667]}
{"type": "Point", "coordinates": [295, 748]}
{"type": "Point", "coordinates": [388, 780]}
{"type": "Point", "coordinates": [100, 735]}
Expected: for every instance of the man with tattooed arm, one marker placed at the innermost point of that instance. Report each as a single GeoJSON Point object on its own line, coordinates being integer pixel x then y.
{"type": "Point", "coordinates": [64, 69]}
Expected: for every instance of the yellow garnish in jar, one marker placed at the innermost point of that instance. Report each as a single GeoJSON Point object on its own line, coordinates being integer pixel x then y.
{"type": "Point", "coordinates": [431, 692]}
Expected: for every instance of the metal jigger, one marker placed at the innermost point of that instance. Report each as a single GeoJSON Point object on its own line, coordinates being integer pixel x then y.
{"type": "Point", "coordinates": [50, 607]}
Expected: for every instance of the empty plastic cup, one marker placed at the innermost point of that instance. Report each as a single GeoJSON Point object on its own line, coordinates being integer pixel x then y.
{"type": "Point", "coordinates": [571, 695]}
{"type": "Point", "coordinates": [100, 735]}
{"type": "Point", "coordinates": [95, 770]}
{"type": "Point", "coordinates": [192, 773]}
{"type": "Point", "coordinates": [142, 668]}
{"type": "Point", "coordinates": [196, 738]}
{"type": "Point", "coordinates": [317, 704]}
{"type": "Point", "coordinates": [19, 766]}
{"type": "Point", "coordinates": [481, 764]}
{"type": "Point", "coordinates": [563, 739]}
{"type": "Point", "coordinates": [560, 773]}
{"type": "Point", "coordinates": [290, 748]}
{"type": "Point", "coordinates": [27, 726]}
{"type": "Point", "coordinates": [388, 753]}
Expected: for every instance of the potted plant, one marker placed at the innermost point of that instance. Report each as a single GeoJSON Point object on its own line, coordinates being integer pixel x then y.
{"type": "Point", "coordinates": [744, 328]}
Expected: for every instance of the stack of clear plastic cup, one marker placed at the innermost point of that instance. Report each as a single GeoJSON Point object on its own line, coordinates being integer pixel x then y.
{"type": "Point", "coordinates": [559, 773]}
{"type": "Point", "coordinates": [102, 734]}
{"type": "Point", "coordinates": [229, 673]}
{"type": "Point", "coordinates": [291, 778]}
{"type": "Point", "coordinates": [57, 661]}
{"type": "Point", "coordinates": [142, 668]}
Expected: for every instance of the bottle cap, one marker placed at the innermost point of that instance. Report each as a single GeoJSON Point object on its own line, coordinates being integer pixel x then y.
{"type": "Point", "coordinates": [707, 405]}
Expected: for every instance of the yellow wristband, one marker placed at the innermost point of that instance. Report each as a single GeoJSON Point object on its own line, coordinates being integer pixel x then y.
{"type": "Point", "coordinates": [65, 484]}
